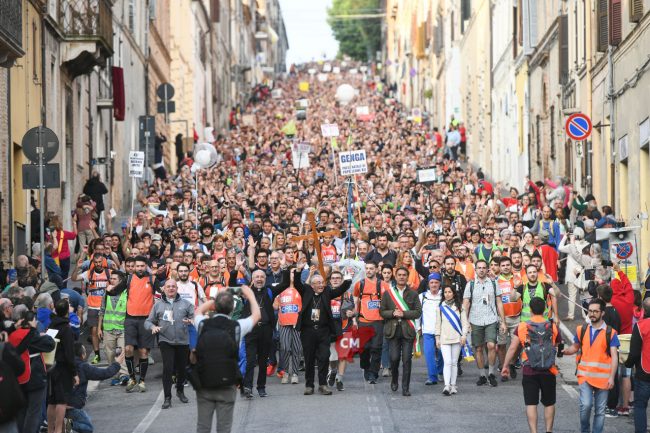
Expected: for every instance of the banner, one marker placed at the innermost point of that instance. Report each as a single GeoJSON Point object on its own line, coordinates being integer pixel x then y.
{"type": "Point", "coordinates": [353, 341]}
{"type": "Point", "coordinates": [136, 164]}
{"type": "Point", "coordinates": [353, 162]}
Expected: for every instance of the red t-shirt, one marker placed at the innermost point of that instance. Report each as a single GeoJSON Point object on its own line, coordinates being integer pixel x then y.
{"type": "Point", "coordinates": [550, 257]}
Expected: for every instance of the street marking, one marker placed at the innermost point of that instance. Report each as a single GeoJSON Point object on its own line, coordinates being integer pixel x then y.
{"type": "Point", "coordinates": [153, 413]}
{"type": "Point", "coordinates": [373, 409]}
{"type": "Point", "coordinates": [571, 391]}
{"type": "Point", "coordinates": [567, 332]}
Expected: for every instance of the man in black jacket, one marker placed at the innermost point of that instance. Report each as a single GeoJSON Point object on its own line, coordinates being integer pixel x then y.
{"type": "Point", "coordinates": [317, 326]}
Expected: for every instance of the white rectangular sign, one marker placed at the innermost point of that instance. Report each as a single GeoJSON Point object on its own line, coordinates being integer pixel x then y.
{"type": "Point", "coordinates": [300, 155]}
{"type": "Point", "coordinates": [329, 130]}
{"type": "Point", "coordinates": [363, 110]}
{"type": "Point", "coordinates": [136, 164]}
{"type": "Point", "coordinates": [353, 162]}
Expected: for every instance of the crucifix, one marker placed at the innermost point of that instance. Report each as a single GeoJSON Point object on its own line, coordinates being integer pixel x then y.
{"type": "Point", "coordinates": [316, 236]}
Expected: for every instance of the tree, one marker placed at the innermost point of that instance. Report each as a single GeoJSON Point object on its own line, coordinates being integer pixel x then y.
{"type": "Point", "coordinates": [359, 38]}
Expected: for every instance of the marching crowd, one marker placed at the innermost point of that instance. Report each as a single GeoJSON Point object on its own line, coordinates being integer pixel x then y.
{"type": "Point", "coordinates": [251, 263]}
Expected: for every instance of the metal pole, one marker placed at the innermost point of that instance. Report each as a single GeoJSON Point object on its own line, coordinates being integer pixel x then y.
{"type": "Point", "coordinates": [41, 214]}
{"type": "Point", "coordinates": [146, 148]}
{"type": "Point", "coordinates": [166, 109]}
{"type": "Point", "coordinates": [133, 195]}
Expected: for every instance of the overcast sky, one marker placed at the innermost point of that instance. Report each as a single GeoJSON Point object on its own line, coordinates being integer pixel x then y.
{"type": "Point", "coordinates": [309, 34]}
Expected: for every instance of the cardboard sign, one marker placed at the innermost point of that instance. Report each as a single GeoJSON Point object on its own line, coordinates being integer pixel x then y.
{"type": "Point", "coordinates": [336, 70]}
{"type": "Point", "coordinates": [136, 164]}
{"type": "Point", "coordinates": [303, 103]}
{"type": "Point", "coordinates": [353, 162]}
{"type": "Point", "coordinates": [329, 130]}
{"type": "Point", "coordinates": [248, 120]}
{"type": "Point", "coordinates": [300, 155]}
{"type": "Point", "coordinates": [303, 86]}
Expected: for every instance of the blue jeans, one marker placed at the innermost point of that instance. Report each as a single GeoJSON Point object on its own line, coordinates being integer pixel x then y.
{"type": "Point", "coordinates": [80, 420]}
{"type": "Point", "coordinates": [432, 356]}
{"type": "Point", "coordinates": [193, 336]}
{"type": "Point", "coordinates": [641, 396]}
{"type": "Point", "coordinates": [590, 396]}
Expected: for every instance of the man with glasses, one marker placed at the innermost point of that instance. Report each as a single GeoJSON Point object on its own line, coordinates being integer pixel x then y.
{"type": "Point", "coordinates": [483, 302]}
{"type": "Point", "coordinates": [597, 365]}
{"type": "Point", "coordinates": [484, 250]}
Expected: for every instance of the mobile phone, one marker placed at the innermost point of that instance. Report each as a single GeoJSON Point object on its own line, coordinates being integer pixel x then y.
{"type": "Point", "coordinates": [118, 351]}
{"type": "Point", "coordinates": [251, 216]}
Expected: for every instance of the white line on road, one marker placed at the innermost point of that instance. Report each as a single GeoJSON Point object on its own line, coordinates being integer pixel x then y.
{"type": "Point", "coordinates": [375, 419]}
{"type": "Point", "coordinates": [571, 391]}
{"type": "Point", "coordinates": [567, 332]}
{"type": "Point", "coordinates": [153, 413]}
{"type": "Point", "coordinates": [373, 409]}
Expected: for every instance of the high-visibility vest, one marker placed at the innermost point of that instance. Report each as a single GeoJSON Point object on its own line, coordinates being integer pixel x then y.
{"type": "Point", "coordinates": [212, 288]}
{"type": "Point", "coordinates": [96, 288]}
{"type": "Point", "coordinates": [290, 307]}
{"type": "Point", "coordinates": [140, 298]}
{"type": "Point", "coordinates": [466, 269]}
{"type": "Point", "coordinates": [115, 313]}
{"type": "Point", "coordinates": [369, 302]}
{"type": "Point", "coordinates": [329, 253]}
{"type": "Point", "coordinates": [510, 308]}
{"type": "Point", "coordinates": [644, 330]}
{"type": "Point", "coordinates": [594, 362]}
{"type": "Point", "coordinates": [525, 308]}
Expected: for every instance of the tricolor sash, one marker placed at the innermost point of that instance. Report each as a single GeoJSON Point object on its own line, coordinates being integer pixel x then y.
{"type": "Point", "coordinates": [452, 317]}
{"type": "Point", "coordinates": [398, 300]}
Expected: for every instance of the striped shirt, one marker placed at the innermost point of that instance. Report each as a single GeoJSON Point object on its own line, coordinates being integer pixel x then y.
{"type": "Point", "coordinates": [483, 309]}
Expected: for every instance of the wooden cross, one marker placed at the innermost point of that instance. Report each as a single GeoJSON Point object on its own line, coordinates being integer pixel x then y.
{"type": "Point", "coordinates": [315, 235]}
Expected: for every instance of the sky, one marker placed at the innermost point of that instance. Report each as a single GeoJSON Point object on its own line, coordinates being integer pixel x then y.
{"type": "Point", "coordinates": [309, 34]}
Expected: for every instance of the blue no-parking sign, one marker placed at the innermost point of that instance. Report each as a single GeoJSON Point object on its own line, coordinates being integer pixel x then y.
{"type": "Point", "coordinates": [578, 126]}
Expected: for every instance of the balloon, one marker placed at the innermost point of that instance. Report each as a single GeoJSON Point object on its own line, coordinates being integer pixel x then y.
{"type": "Point", "coordinates": [345, 93]}
{"type": "Point", "coordinates": [195, 167]}
{"type": "Point", "coordinates": [202, 157]}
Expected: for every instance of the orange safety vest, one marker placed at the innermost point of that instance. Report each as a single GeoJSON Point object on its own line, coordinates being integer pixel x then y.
{"type": "Point", "coordinates": [194, 274]}
{"type": "Point", "coordinates": [510, 308]}
{"type": "Point", "coordinates": [96, 288]}
{"type": "Point", "coordinates": [466, 269]}
{"type": "Point", "coordinates": [211, 288]}
{"type": "Point", "coordinates": [369, 301]}
{"type": "Point", "coordinates": [594, 361]}
{"type": "Point", "coordinates": [644, 330]}
{"type": "Point", "coordinates": [329, 253]}
{"type": "Point", "coordinates": [290, 307]}
{"type": "Point", "coordinates": [140, 296]}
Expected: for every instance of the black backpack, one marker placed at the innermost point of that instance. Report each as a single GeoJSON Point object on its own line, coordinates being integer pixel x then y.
{"type": "Point", "coordinates": [539, 345]}
{"type": "Point", "coordinates": [11, 395]}
{"type": "Point", "coordinates": [217, 353]}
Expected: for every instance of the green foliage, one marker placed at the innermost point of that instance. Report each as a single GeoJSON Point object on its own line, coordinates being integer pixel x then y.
{"type": "Point", "coordinates": [358, 38]}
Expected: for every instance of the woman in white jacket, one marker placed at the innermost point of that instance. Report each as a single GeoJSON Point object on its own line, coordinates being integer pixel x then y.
{"type": "Point", "coordinates": [452, 328]}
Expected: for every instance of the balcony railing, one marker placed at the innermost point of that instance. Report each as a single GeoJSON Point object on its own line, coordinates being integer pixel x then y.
{"type": "Point", "coordinates": [11, 30]}
{"type": "Point", "coordinates": [86, 20]}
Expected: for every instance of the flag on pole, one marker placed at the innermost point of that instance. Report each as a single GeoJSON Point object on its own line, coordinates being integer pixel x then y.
{"type": "Point", "coordinates": [335, 144]}
{"type": "Point", "coordinates": [349, 140]}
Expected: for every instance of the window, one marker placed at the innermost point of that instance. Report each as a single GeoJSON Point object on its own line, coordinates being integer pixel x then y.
{"type": "Point", "coordinates": [538, 139]}
{"type": "Point", "coordinates": [615, 29]}
{"type": "Point", "coordinates": [644, 133]}
{"type": "Point", "coordinates": [132, 16]}
{"type": "Point", "coordinates": [552, 119]}
{"type": "Point", "coordinates": [623, 151]}
{"type": "Point", "coordinates": [602, 25]}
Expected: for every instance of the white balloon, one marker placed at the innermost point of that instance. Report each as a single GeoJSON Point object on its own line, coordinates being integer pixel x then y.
{"type": "Point", "coordinates": [202, 157]}
{"type": "Point", "coordinates": [345, 93]}
{"type": "Point", "coordinates": [195, 167]}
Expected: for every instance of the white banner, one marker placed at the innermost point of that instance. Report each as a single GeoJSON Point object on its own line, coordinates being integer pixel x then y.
{"type": "Point", "coordinates": [136, 164]}
{"type": "Point", "coordinates": [329, 130]}
{"type": "Point", "coordinates": [300, 155]}
{"type": "Point", "coordinates": [353, 162]}
{"type": "Point", "coordinates": [363, 110]}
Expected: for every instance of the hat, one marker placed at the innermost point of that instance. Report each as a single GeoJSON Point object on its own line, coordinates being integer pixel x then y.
{"type": "Point", "coordinates": [589, 224]}
{"type": "Point", "coordinates": [434, 276]}
{"type": "Point", "coordinates": [156, 237]}
{"type": "Point", "coordinates": [578, 233]}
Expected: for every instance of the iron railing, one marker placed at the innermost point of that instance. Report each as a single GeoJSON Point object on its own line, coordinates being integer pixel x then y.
{"type": "Point", "coordinates": [11, 24]}
{"type": "Point", "coordinates": [87, 19]}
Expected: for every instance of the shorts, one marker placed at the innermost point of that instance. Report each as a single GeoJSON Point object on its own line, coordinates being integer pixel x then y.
{"type": "Point", "coordinates": [59, 386]}
{"type": "Point", "coordinates": [92, 317]}
{"type": "Point", "coordinates": [484, 334]}
{"type": "Point", "coordinates": [512, 323]}
{"type": "Point", "coordinates": [534, 384]}
{"type": "Point", "coordinates": [136, 335]}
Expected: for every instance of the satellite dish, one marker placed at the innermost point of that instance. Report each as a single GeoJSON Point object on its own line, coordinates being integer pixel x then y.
{"type": "Point", "coordinates": [205, 155]}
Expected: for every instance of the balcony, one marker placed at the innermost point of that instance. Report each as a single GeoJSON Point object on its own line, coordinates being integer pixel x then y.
{"type": "Point", "coordinates": [87, 28]}
{"type": "Point", "coordinates": [11, 32]}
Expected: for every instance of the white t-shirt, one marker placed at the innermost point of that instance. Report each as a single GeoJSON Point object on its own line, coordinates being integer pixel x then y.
{"type": "Point", "coordinates": [188, 291]}
{"type": "Point", "coordinates": [430, 306]}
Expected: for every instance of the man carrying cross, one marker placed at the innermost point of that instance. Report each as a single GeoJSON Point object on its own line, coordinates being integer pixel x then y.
{"type": "Point", "coordinates": [316, 236]}
{"type": "Point", "coordinates": [399, 308]}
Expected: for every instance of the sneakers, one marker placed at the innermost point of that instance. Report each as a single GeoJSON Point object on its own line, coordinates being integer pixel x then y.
{"type": "Point", "coordinates": [270, 369]}
{"type": "Point", "coordinates": [294, 379]}
{"type": "Point", "coordinates": [493, 380]}
{"type": "Point", "coordinates": [430, 382]}
{"type": "Point", "coordinates": [623, 411]}
{"type": "Point", "coordinates": [124, 380]}
{"type": "Point", "coordinates": [331, 377]}
{"type": "Point", "coordinates": [611, 413]}
{"type": "Point", "coordinates": [372, 380]}
{"type": "Point", "coordinates": [309, 390]}
{"type": "Point", "coordinates": [324, 390]}
{"type": "Point", "coordinates": [141, 386]}
{"type": "Point", "coordinates": [167, 403]}
{"type": "Point", "coordinates": [116, 381]}
{"type": "Point", "coordinates": [130, 387]}
{"type": "Point", "coordinates": [481, 381]}
{"type": "Point", "coordinates": [513, 372]}
{"type": "Point", "coordinates": [262, 392]}
{"type": "Point", "coordinates": [285, 379]}
{"type": "Point", "coordinates": [453, 390]}
{"type": "Point", "coordinates": [339, 385]}
{"type": "Point", "coordinates": [96, 360]}
{"type": "Point", "coordinates": [248, 393]}
{"type": "Point", "coordinates": [446, 391]}
{"type": "Point", "coordinates": [385, 372]}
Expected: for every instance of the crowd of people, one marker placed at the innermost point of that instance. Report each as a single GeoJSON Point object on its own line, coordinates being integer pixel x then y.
{"type": "Point", "coordinates": [221, 271]}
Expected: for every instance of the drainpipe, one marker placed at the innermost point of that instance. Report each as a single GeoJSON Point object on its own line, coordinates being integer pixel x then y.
{"type": "Point", "coordinates": [10, 176]}
{"type": "Point", "coordinates": [612, 122]}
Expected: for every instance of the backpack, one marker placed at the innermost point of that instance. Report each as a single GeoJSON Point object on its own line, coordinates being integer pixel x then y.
{"type": "Point", "coordinates": [11, 396]}
{"type": "Point", "coordinates": [362, 284]}
{"type": "Point", "coordinates": [217, 353]}
{"type": "Point", "coordinates": [539, 345]}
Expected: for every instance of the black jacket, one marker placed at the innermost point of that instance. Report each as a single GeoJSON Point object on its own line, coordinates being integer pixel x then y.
{"type": "Point", "coordinates": [307, 293]}
{"type": "Point", "coordinates": [96, 189]}
{"type": "Point", "coordinates": [266, 295]}
{"type": "Point", "coordinates": [634, 357]}
{"type": "Point", "coordinates": [64, 355]}
{"type": "Point", "coordinates": [37, 343]}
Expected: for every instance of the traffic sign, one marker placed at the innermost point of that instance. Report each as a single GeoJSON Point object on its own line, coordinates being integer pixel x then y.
{"type": "Point", "coordinates": [51, 176]}
{"type": "Point", "coordinates": [578, 126]}
{"type": "Point", "coordinates": [165, 91]}
{"type": "Point", "coordinates": [48, 141]}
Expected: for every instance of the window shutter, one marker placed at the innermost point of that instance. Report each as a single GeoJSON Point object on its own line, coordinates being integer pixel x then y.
{"type": "Point", "coordinates": [636, 10]}
{"type": "Point", "coordinates": [465, 10]}
{"type": "Point", "coordinates": [615, 31]}
{"type": "Point", "coordinates": [214, 11]}
{"type": "Point", "coordinates": [602, 25]}
{"type": "Point", "coordinates": [564, 50]}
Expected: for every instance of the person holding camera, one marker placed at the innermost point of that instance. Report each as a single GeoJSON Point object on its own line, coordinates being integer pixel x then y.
{"type": "Point", "coordinates": [170, 318]}
{"type": "Point", "coordinates": [216, 358]}
{"type": "Point", "coordinates": [81, 422]}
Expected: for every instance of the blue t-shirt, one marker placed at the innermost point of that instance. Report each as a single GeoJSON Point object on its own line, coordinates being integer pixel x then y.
{"type": "Point", "coordinates": [75, 299]}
